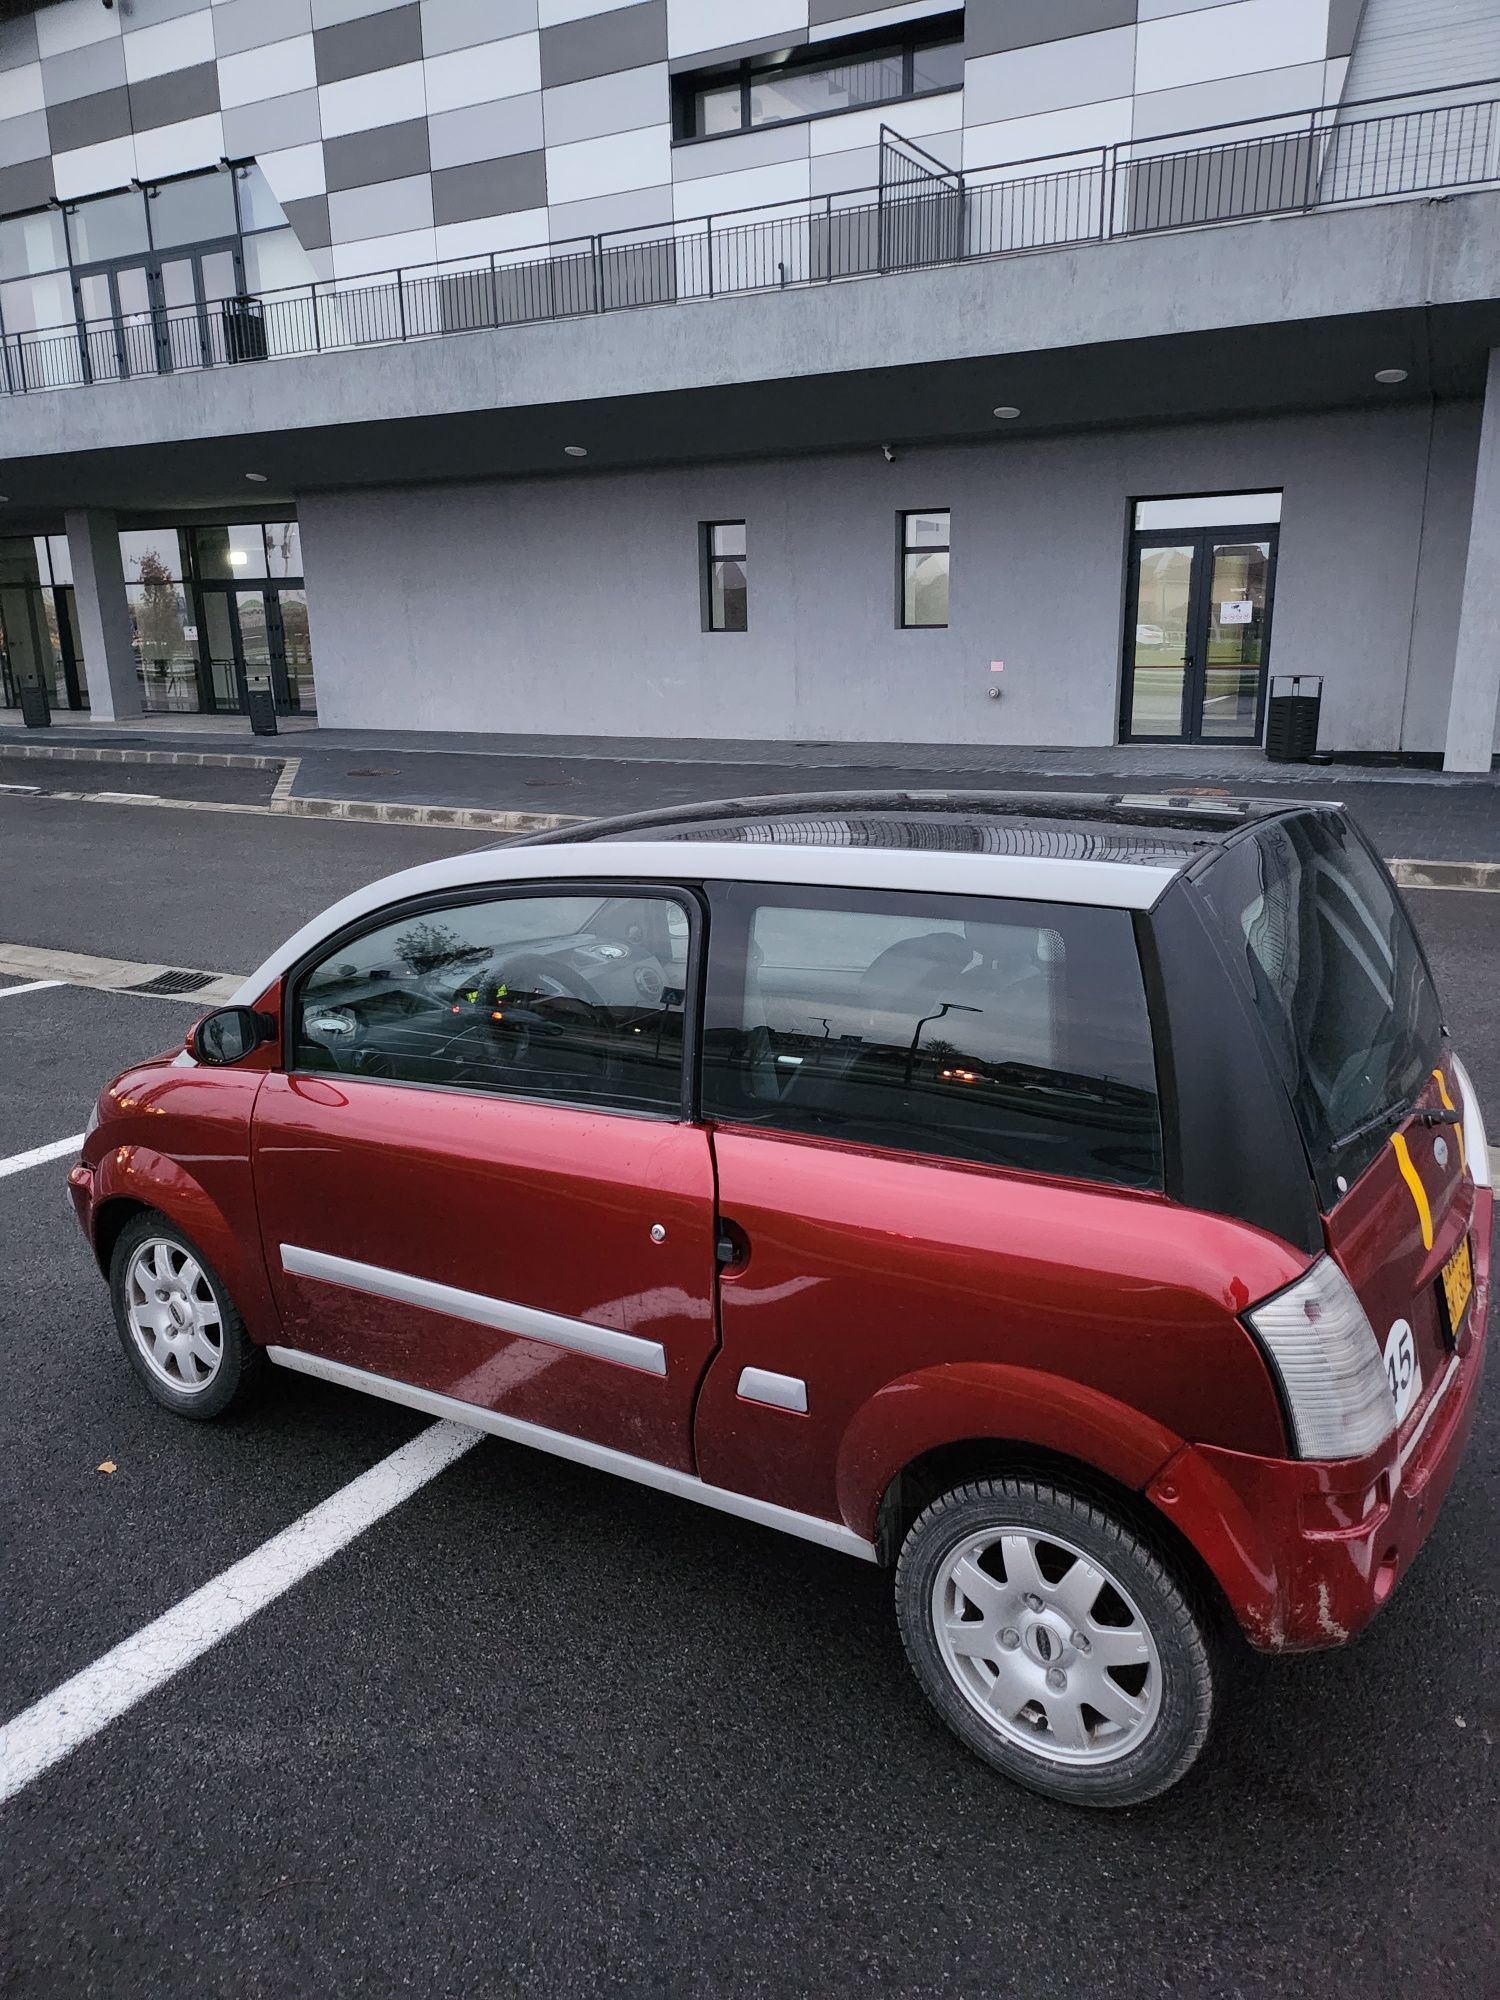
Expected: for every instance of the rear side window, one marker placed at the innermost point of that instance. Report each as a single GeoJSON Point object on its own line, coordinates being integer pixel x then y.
{"type": "Point", "coordinates": [1014, 1034]}
{"type": "Point", "coordinates": [1340, 984]}
{"type": "Point", "coordinates": [575, 998]}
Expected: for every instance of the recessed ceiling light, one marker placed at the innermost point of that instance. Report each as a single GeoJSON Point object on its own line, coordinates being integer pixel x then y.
{"type": "Point", "coordinates": [1006, 411]}
{"type": "Point", "coordinates": [1390, 375]}
{"type": "Point", "coordinates": [4, 499]}
{"type": "Point", "coordinates": [576, 450]}
{"type": "Point", "coordinates": [258, 478]}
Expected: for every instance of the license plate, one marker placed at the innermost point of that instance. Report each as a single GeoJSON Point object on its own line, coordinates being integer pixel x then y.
{"type": "Point", "coordinates": [1457, 1286]}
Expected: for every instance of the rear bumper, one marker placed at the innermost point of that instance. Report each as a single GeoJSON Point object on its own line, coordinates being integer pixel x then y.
{"type": "Point", "coordinates": [1307, 1552]}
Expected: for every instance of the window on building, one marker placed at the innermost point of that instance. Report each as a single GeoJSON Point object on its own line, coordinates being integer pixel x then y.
{"type": "Point", "coordinates": [577, 999]}
{"type": "Point", "coordinates": [924, 567]}
{"type": "Point", "coordinates": [725, 595]}
{"type": "Point", "coordinates": [1014, 1034]}
{"type": "Point", "coordinates": [851, 73]}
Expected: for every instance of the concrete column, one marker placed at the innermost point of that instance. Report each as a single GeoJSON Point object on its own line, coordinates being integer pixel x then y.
{"type": "Point", "coordinates": [109, 663]}
{"type": "Point", "coordinates": [1475, 699]}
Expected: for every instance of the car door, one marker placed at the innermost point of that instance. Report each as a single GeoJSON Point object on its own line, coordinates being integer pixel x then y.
{"type": "Point", "coordinates": [476, 1172]}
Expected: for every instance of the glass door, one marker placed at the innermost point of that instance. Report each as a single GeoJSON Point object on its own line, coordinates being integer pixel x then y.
{"type": "Point", "coordinates": [157, 313]}
{"type": "Point", "coordinates": [256, 637]}
{"type": "Point", "coordinates": [219, 652]}
{"type": "Point", "coordinates": [1197, 635]}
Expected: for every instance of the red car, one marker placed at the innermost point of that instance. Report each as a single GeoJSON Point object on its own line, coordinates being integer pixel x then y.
{"type": "Point", "coordinates": [1074, 1203]}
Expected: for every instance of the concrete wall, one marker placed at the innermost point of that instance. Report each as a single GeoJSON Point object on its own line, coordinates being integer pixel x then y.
{"type": "Point", "coordinates": [573, 604]}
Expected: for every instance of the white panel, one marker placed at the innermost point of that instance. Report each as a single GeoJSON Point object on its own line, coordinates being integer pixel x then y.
{"type": "Point", "coordinates": [551, 12]}
{"type": "Point", "coordinates": [385, 97]}
{"type": "Point", "coordinates": [1228, 41]}
{"type": "Point", "coordinates": [21, 91]}
{"type": "Point", "coordinates": [857, 24]}
{"type": "Point", "coordinates": [178, 149]}
{"type": "Point", "coordinates": [481, 75]}
{"type": "Point", "coordinates": [523, 230]}
{"type": "Point", "coordinates": [92, 169]}
{"type": "Point", "coordinates": [1214, 510]}
{"type": "Point", "coordinates": [1335, 76]}
{"type": "Point", "coordinates": [383, 253]}
{"type": "Point", "coordinates": [611, 165]}
{"type": "Point", "coordinates": [1048, 133]}
{"type": "Point", "coordinates": [170, 45]}
{"type": "Point", "coordinates": [711, 24]}
{"type": "Point", "coordinates": [72, 25]}
{"type": "Point", "coordinates": [1424, 45]}
{"type": "Point", "coordinates": [273, 71]}
{"type": "Point", "coordinates": [294, 172]}
{"type": "Point", "coordinates": [720, 194]}
{"type": "Point", "coordinates": [943, 113]}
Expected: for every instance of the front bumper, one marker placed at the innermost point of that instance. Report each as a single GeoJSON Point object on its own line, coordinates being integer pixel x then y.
{"type": "Point", "coordinates": [1308, 1551]}
{"type": "Point", "coordinates": [81, 1194]}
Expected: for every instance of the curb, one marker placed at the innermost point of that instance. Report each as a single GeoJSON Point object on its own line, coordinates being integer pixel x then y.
{"type": "Point", "coordinates": [1483, 875]}
{"type": "Point", "coordinates": [89, 753]}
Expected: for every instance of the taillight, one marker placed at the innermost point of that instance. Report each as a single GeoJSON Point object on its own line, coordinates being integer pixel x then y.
{"type": "Point", "coordinates": [1327, 1359]}
{"type": "Point", "coordinates": [1476, 1139]}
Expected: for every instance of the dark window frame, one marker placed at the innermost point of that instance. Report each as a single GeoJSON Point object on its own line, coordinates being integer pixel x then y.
{"type": "Point", "coordinates": [707, 558]}
{"type": "Point", "coordinates": [607, 890]}
{"type": "Point", "coordinates": [908, 38]}
{"type": "Point", "coordinates": [906, 514]}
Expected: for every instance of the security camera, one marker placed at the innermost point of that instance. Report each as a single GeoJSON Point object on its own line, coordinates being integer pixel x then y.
{"type": "Point", "coordinates": [890, 456]}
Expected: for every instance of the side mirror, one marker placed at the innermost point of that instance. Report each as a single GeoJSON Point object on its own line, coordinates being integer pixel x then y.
{"type": "Point", "coordinates": [229, 1035]}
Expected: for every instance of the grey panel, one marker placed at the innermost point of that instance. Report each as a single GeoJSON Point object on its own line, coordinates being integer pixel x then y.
{"type": "Point", "coordinates": [330, 13]}
{"type": "Point", "coordinates": [83, 72]}
{"type": "Point", "coordinates": [182, 93]}
{"type": "Point", "coordinates": [251, 24]}
{"type": "Point", "coordinates": [633, 208]}
{"type": "Point", "coordinates": [383, 41]}
{"type": "Point", "coordinates": [771, 148]}
{"type": "Point", "coordinates": [272, 123]}
{"type": "Point", "coordinates": [17, 42]}
{"type": "Point", "coordinates": [486, 131]}
{"type": "Point", "coordinates": [385, 153]}
{"type": "Point", "coordinates": [85, 121]}
{"type": "Point", "coordinates": [1343, 25]}
{"type": "Point", "coordinates": [623, 101]}
{"type": "Point", "coordinates": [459, 24]}
{"type": "Point", "coordinates": [23, 138]}
{"type": "Point", "coordinates": [490, 187]}
{"type": "Point", "coordinates": [819, 11]}
{"type": "Point", "coordinates": [385, 208]}
{"type": "Point", "coordinates": [309, 218]}
{"type": "Point", "coordinates": [991, 26]}
{"type": "Point", "coordinates": [626, 38]}
{"type": "Point", "coordinates": [26, 185]}
{"type": "Point", "coordinates": [146, 13]}
{"type": "Point", "coordinates": [790, 38]}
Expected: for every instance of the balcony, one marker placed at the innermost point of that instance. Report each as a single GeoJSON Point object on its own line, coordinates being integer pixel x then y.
{"type": "Point", "coordinates": [920, 215]}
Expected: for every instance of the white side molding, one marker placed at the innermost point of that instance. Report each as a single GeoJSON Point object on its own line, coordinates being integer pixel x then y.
{"type": "Point", "coordinates": [781, 1392]}
{"type": "Point", "coordinates": [580, 1335]}
{"type": "Point", "coordinates": [602, 1457]}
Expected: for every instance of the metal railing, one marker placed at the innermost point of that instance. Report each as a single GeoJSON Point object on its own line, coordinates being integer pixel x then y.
{"type": "Point", "coordinates": [920, 214]}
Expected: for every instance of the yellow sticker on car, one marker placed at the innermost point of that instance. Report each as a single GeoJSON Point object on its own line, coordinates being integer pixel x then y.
{"type": "Point", "coordinates": [1414, 1181]}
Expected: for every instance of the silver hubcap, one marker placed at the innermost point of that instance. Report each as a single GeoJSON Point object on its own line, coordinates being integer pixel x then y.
{"type": "Point", "coordinates": [173, 1314]}
{"type": "Point", "coordinates": [1046, 1646]}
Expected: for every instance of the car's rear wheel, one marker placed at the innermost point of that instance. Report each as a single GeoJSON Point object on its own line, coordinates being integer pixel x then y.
{"type": "Point", "coordinates": [1056, 1641]}
{"type": "Point", "coordinates": [177, 1323]}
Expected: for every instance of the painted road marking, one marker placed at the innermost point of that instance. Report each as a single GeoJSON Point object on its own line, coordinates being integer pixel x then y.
{"type": "Point", "coordinates": [31, 986]}
{"type": "Point", "coordinates": [47, 1731]}
{"type": "Point", "coordinates": [39, 1155]}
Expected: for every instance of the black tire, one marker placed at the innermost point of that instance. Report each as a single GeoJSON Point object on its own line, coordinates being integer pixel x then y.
{"type": "Point", "coordinates": [240, 1364]}
{"type": "Point", "coordinates": [1179, 1683]}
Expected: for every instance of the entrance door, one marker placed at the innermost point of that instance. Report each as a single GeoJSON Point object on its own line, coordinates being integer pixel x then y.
{"type": "Point", "coordinates": [1197, 634]}
{"type": "Point", "coordinates": [154, 314]}
{"type": "Point", "coordinates": [247, 646]}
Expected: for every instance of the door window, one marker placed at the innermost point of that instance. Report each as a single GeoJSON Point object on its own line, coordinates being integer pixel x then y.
{"type": "Point", "coordinates": [574, 998]}
{"type": "Point", "coordinates": [1014, 1034]}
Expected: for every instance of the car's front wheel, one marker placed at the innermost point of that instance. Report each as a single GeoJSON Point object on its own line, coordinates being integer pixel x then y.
{"type": "Point", "coordinates": [1056, 1641]}
{"type": "Point", "coordinates": [177, 1323]}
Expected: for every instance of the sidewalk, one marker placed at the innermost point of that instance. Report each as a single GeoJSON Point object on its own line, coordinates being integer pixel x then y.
{"type": "Point", "coordinates": [1415, 814]}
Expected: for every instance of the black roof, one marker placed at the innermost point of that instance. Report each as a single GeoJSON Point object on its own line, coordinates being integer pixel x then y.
{"type": "Point", "coordinates": [1170, 828]}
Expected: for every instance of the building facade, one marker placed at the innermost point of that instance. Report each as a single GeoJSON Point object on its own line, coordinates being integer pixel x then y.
{"type": "Point", "coordinates": [1022, 371]}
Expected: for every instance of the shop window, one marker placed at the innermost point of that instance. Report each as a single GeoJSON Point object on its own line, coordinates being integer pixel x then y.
{"type": "Point", "coordinates": [725, 584]}
{"type": "Point", "coordinates": [851, 73]}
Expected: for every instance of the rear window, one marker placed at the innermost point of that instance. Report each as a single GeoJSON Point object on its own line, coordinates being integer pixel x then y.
{"type": "Point", "coordinates": [1014, 1034]}
{"type": "Point", "coordinates": [1340, 984]}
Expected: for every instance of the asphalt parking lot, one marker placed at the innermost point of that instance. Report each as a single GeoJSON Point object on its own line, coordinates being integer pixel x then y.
{"type": "Point", "coordinates": [539, 1729]}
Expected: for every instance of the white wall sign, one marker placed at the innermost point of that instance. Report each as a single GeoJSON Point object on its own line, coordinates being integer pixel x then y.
{"type": "Point", "coordinates": [1236, 611]}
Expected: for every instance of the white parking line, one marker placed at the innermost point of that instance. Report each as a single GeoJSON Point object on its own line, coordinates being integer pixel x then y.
{"type": "Point", "coordinates": [43, 1734]}
{"type": "Point", "coordinates": [31, 986]}
{"type": "Point", "coordinates": [39, 1155]}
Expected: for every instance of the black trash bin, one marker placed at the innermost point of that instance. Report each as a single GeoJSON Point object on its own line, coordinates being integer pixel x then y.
{"type": "Point", "coordinates": [1292, 718]}
{"type": "Point", "coordinates": [244, 320]}
{"type": "Point", "coordinates": [260, 705]}
{"type": "Point", "coordinates": [36, 710]}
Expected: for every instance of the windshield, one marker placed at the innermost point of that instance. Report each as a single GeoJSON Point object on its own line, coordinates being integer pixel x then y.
{"type": "Point", "coordinates": [1340, 983]}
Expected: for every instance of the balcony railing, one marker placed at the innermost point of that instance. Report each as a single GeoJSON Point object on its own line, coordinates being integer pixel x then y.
{"type": "Point", "coordinates": [920, 214]}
